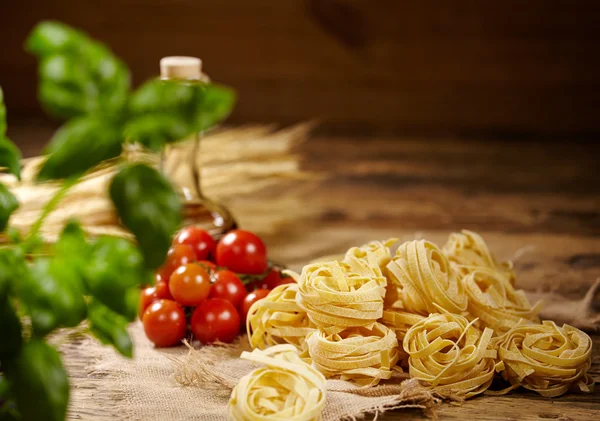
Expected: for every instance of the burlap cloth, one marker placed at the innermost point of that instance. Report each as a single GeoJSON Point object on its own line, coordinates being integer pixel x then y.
{"type": "Point", "coordinates": [179, 384]}
{"type": "Point", "coordinates": [184, 384]}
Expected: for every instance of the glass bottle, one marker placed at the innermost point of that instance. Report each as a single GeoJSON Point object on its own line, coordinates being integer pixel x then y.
{"type": "Point", "coordinates": [181, 164]}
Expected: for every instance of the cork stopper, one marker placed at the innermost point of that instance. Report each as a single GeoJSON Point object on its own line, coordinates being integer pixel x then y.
{"type": "Point", "coordinates": [179, 67]}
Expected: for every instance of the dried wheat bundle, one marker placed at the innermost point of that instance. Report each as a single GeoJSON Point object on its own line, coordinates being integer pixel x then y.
{"type": "Point", "coordinates": [237, 165]}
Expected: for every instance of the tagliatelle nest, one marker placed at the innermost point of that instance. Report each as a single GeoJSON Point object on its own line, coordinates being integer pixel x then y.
{"type": "Point", "coordinates": [285, 389]}
{"type": "Point", "coordinates": [546, 358]}
{"type": "Point", "coordinates": [468, 252]}
{"type": "Point", "coordinates": [336, 298]}
{"type": "Point", "coordinates": [277, 319]}
{"type": "Point", "coordinates": [358, 354]}
{"type": "Point", "coordinates": [424, 280]}
{"type": "Point", "coordinates": [375, 254]}
{"type": "Point", "coordinates": [446, 350]}
{"type": "Point", "coordinates": [497, 304]}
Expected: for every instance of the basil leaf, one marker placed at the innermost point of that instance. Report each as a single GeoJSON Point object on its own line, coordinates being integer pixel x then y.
{"type": "Point", "coordinates": [168, 111]}
{"type": "Point", "coordinates": [52, 37]}
{"type": "Point", "coordinates": [10, 330]}
{"type": "Point", "coordinates": [53, 295]}
{"type": "Point", "coordinates": [72, 245]}
{"type": "Point", "coordinates": [77, 75]}
{"type": "Point", "coordinates": [109, 327]}
{"type": "Point", "coordinates": [148, 207]}
{"type": "Point", "coordinates": [79, 145]}
{"type": "Point", "coordinates": [215, 105]}
{"type": "Point", "coordinates": [114, 269]}
{"type": "Point", "coordinates": [10, 157]}
{"type": "Point", "coordinates": [8, 204]}
{"type": "Point", "coordinates": [39, 382]}
{"type": "Point", "coordinates": [2, 115]}
{"type": "Point", "coordinates": [154, 130]}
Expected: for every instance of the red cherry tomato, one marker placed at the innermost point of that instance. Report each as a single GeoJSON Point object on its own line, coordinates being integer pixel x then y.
{"type": "Point", "coordinates": [250, 299]}
{"type": "Point", "coordinates": [152, 294]}
{"type": "Point", "coordinates": [215, 319]}
{"type": "Point", "coordinates": [200, 240]}
{"type": "Point", "coordinates": [164, 323]}
{"type": "Point", "coordinates": [189, 284]}
{"type": "Point", "coordinates": [178, 255]}
{"type": "Point", "coordinates": [242, 252]}
{"type": "Point", "coordinates": [162, 274]}
{"type": "Point", "coordinates": [208, 266]}
{"type": "Point", "coordinates": [271, 281]}
{"type": "Point", "coordinates": [228, 286]}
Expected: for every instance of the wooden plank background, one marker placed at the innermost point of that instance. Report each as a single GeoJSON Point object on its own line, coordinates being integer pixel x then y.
{"type": "Point", "coordinates": [412, 66]}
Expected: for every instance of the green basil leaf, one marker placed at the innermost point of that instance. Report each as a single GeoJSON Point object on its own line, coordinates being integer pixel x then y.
{"type": "Point", "coordinates": [109, 327]}
{"type": "Point", "coordinates": [8, 204]}
{"type": "Point", "coordinates": [73, 246]}
{"type": "Point", "coordinates": [12, 266]}
{"type": "Point", "coordinates": [168, 111]}
{"type": "Point", "coordinates": [78, 75]}
{"type": "Point", "coordinates": [114, 270]}
{"type": "Point", "coordinates": [2, 115]}
{"type": "Point", "coordinates": [39, 382]}
{"type": "Point", "coordinates": [53, 295]}
{"type": "Point", "coordinates": [154, 130]}
{"type": "Point", "coordinates": [10, 156]}
{"type": "Point", "coordinates": [52, 37]}
{"type": "Point", "coordinates": [79, 145]}
{"type": "Point", "coordinates": [148, 207]}
{"type": "Point", "coordinates": [164, 96]}
{"type": "Point", "coordinates": [10, 330]}
{"type": "Point", "coordinates": [215, 104]}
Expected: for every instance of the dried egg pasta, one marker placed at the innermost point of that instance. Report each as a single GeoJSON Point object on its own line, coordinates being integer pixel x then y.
{"type": "Point", "coordinates": [446, 350]}
{"type": "Point", "coordinates": [277, 319]}
{"type": "Point", "coordinates": [425, 279]}
{"type": "Point", "coordinates": [285, 389]}
{"type": "Point", "coordinates": [358, 354]}
{"type": "Point", "coordinates": [546, 358]}
{"type": "Point", "coordinates": [468, 252]}
{"type": "Point", "coordinates": [497, 304]}
{"type": "Point", "coordinates": [335, 297]}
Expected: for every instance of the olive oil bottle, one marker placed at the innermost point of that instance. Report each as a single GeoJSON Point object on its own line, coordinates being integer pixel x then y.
{"type": "Point", "coordinates": [180, 162]}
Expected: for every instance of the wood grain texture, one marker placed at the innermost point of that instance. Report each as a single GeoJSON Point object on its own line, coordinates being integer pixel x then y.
{"type": "Point", "coordinates": [413, 66]}
{"type": "Point", "coordinates": [542, 199]}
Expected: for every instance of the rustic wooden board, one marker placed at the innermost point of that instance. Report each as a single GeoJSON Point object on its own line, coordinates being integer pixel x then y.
{"type": "Point", "coordinates": [545, 197]}
{"type": "Point", "coordinates": [417, 65]}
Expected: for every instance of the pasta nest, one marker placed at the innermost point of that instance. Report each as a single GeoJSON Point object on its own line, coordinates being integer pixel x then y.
{"type": "Point", "coordinates": [335, 297]}
{"type": "Point", "coordinates": [376, 254]}
{"type": "Point", "coordinates": [447, 351]}
{"type": "Point", "coordinates": [495, 301]}
{"type": "Point", "coordinates": [468, 252]}
{"type": "Point", "coordinates": [285, 389]}
{"type": "Point", "coordinates": [277, 319]}
{"type": "Point", "coordinates": [546, 358]}
{"type": "Point", "coordinates": [424, 279]}
{"type": "Point", "coordinates": [358, 354]}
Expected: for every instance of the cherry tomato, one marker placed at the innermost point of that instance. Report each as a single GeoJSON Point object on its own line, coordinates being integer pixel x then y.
{"type": "Point", "coordinates": [208, 266]}
{"type": "Point", "coordinates": [189, 284]}
{"type": "Point", "coordinates": [215, 319]}
{"type": "Point", "coordinates": [164, 323]}
{"type": "Point", "coordinates": [200, 240]}
{"type": "Point", "coordinates": [162, 274]}
{"type": "Point", "coordinates": [250, 299]}
{"type": "Point", "coordinates": [152, 294]}
{"type": "Point", "coordinates": [178, 255]}
{"type": "Point", "coordinates": [242, 252]}
{"type": "Point", "coordinates": [228, 286]}
{"type": "Point", "coordinates": [272, 280]}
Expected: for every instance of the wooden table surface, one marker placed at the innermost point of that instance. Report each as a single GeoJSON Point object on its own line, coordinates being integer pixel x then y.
{"type": "Point", "coordinates": [542, 198]}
